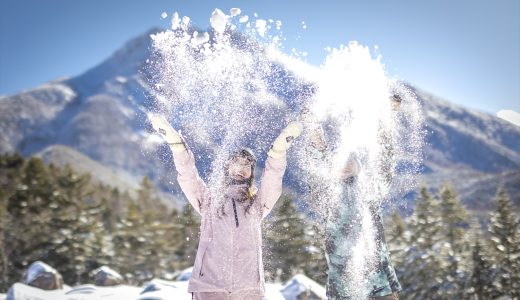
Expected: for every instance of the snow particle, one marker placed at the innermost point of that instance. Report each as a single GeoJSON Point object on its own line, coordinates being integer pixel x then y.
{"type": "Point", "coordinates": [200, 38]}
{"type": "Point", "coordinates": [175, 21]}
{"type": "Point", "coordinates": [278, 24]}
{"type": "Point", "coordinates": [261, 27]}
{"type": "Point", "coordinates": [164, 15]}
{"type": "Point", "coordinates": [185, 20]}
{"type": "Point", "coordinates": [243, 19]}
{"type": "Point", "coordinates": [218, 21]}
{"type": "Point", "coordinates": [235, 11]}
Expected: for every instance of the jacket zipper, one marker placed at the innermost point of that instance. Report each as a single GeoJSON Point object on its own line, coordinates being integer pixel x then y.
{"type": "Point", "coordinates": [235, 211]}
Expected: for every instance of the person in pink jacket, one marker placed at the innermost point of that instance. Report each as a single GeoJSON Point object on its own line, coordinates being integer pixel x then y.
{"type": "Point", "coordinates": [228, 264]}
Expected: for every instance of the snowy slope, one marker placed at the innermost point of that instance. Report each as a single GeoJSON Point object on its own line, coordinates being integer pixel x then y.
{"type": "Point", "coordinates": [100, 115]}
{"type": "Point", "coordinates": [474, 151]}
{"type": "Point", "coordinates": [159, 289]}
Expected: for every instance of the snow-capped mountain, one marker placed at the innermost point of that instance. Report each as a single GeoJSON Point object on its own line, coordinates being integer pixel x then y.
{"type": "Point", "coordinates": [474, 151]}
{"type": "Point", "coordinates": [95, 122]}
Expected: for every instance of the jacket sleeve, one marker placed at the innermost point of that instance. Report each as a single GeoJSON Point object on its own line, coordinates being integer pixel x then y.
{"type": "Point", "coordinates": [271, 184]}
{"type": "Point", "coordinates": [188, 177]}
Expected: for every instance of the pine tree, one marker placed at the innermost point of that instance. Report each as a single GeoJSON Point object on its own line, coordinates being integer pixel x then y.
{"type": "Point", "coordinates": [454, 220]}
{"type": "Point", "coordinates": [422, 273]}
{"type": "Point", "coordinates": [316, 267]}
{"type": "Point", "coordinates": [426, 221]}
{"type": "Point", "coordinates": [28, 219]}
{"type": "Point", "coordinates": [189, 224]}
{"type": "Point", "coordinates": [285, 244]}
{"type": "Point", "coordinates": [504, 232]}
{"type": "Point", "coordinates": [398, 240]}
{"type": "Point", "coordinates": [3, 256]}
{"type": "Point", "coordinates": [10, 176]}
{"type": "Point", "coordinates": [480, 285]}
{"type": "Point", "coordinates": [129, 244]}
{"type": "Point", "coordinates": [144, 240]}
{"type": "Point", "coordinates": [76, 226]}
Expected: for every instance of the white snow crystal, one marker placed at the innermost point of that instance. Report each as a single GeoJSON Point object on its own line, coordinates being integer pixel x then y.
{"type": "Point", "coordinates": [185, 20]}
{"type": "Point", "coordinates": [243, 19]}
{"type": "Point", "coordinates": [176, 22]}
{"type": "Point", "coordinates": [200, 37]}
{"type": "Point", "coordinates": [261, 27]}
{"type": "Point", "coordinates": [218, 20]}
{"type": "Point", "coordinates": [278, 24]}
{"type": "Point", "coordinates": [164, 15]}
{"type": "Point", "coordinates": [234, 11]}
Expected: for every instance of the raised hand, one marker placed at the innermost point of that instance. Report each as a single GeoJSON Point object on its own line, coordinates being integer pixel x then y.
{"type": "Point", "coordinates": [284, 140]}
{"type": "Point", "coordinates": [170, 135]}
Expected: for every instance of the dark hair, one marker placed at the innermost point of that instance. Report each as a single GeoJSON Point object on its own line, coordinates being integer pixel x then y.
{"type": "Point", "coordinates": [250, 156]}
{"type": "Point", "coordinates": [396, 98]}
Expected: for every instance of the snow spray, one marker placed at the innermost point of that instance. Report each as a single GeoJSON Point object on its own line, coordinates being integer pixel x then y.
{"type": "Point", "coordinates": [219, 86]}
{"type": "Point", "coordinates": [231, 87]}
{"type": "Point", "coordinates": [353, 104]}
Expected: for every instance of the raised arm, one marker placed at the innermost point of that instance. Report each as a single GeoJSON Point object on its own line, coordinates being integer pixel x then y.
{"type": "Point", "coordinates": [187, 175]}
{"type": "Point", "coordinates": [271, 185]}
{"type": "Point", "coordinates": [386, 141]}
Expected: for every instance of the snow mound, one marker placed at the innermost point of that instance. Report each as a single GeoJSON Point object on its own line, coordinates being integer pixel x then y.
{"type": "Point", "coordinates": [159, 289]}
{"type": "Point", "coordinates": [185, 275]}
{"type": "Point", "coordinates": [301, 284]}
{"type": "Point", "coordinates": [20, 291]}
{"type": "Point", "coordinates": [91, 292]}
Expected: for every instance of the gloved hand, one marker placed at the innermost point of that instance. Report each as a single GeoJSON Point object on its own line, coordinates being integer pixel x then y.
{"type": "Point", "coordinates": [351, 169]}
{"type": "Point", "coordinates": [284, 140]}
{"type": "Point", "coordinates": [162, 127]}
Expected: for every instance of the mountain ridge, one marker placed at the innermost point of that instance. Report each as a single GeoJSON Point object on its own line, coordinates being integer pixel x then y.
{"type": "Point", "coordinates": [99, 114]}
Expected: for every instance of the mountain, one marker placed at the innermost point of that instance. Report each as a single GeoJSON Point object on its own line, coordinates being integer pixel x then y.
{"type": "Point", "coordinates": [95, 123]}
{"type": "Point", "coordinates": [474, 151]}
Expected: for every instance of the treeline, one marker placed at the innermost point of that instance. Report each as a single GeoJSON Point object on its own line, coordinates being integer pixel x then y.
{"type": "Point", "coordinates": [65, 220]}
{"type": "Point", "coordinates": [57, 216]}
{"type": "Point", "coordinates": [443, 252]}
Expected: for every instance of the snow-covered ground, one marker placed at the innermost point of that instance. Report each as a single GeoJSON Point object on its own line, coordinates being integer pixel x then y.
{"type": "Point", "coordinates": [159, 289]}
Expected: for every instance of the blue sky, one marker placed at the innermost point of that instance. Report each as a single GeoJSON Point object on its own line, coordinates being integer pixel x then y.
{"type": "Point", "coordinates": [466, 51]}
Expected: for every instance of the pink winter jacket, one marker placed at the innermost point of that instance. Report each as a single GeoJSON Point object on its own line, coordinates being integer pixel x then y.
{"type": "Point", "coordinates": [229, 257]}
